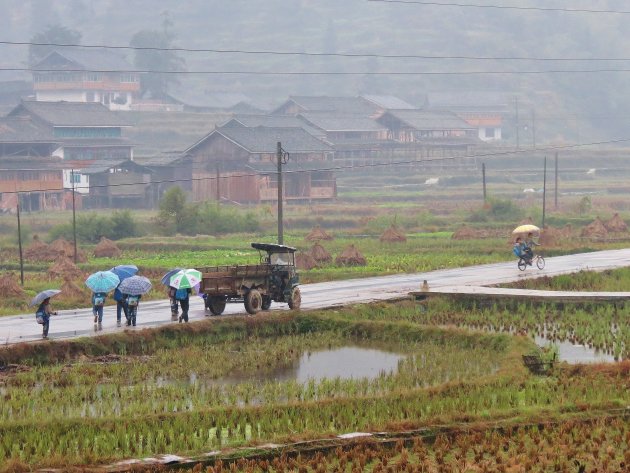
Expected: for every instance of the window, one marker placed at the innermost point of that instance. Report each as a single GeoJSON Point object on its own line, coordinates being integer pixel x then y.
{"type": "Point", "coordinates": [489, 132]}
{"type": "Point", "coordinates": [128, 78]}
{"type": "Point", "coordinates": [93, 77]}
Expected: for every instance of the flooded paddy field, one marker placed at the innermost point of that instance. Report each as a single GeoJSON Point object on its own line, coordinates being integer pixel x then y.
{"type": "Point", "coordinates": [224, 383]}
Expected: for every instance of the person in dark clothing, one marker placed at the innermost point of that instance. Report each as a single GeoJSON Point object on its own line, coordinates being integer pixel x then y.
{"type": "Point", "coordinates": [174, 302]}
{"type": "Point", "coordinates": [183, 297]}
{"type": "Point", "coordinates": [121, 306]}
{"type": "Point", "coordinates": [44, 311]}
{"type": "Point", "coordinates": [132, 308]}
{"type": "Point", "coordinates": [98, 302]}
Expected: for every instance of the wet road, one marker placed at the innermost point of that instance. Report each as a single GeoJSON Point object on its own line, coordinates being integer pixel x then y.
{"type": "Point", "coordinates": [79, 322]}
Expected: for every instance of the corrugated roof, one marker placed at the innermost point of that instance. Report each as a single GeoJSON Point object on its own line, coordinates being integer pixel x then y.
{"type": "Point", "coordinates": [330, 122]}
{"type": "Point", "coordinates": [85, 59]}
{"type": "Point", "coordinates": [19, 130]}
{"type": "Point", "coordinates": [430, 119]}
{"type": "Point", "coordinates": [265, 139]}
{"type": "Point", "coordinates": [389, 102]}
{"type": "Point", "coordinates": [83, 114]}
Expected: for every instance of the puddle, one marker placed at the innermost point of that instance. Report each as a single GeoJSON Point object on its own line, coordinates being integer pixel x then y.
{"type": "Point", "coordinates": [574, 354]}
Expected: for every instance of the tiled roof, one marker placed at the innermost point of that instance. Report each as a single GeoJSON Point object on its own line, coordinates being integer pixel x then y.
{"type": "Point", "coordinates": [274, 121]}
{"type": "Point", "coordinates": [467, 99]}
{"type": "Point", "coordinates": [86, 59]}
{"type": "Point", "coordinates": [265, 139]}
{"type": "Point", "coordinates": [430, 119]}
{"type": "Point", "coordinates": [334, 104]}
{"type": "Point", "coordinates": [83, 114]}
{"type": "Point", "coordinates": [164, 159]}
{"type": "Point", "coordinates": [389, 102]}
{"type": "Point", "coordinates": [330, 122]}
{"type": "Point", "coordinates": [19, 130]}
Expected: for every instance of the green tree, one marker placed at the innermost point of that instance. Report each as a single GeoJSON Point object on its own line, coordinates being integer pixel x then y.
{"type": "Point", "coordinates": [54, 34]}
{"type": "Point", "coordinates": [176, 215]}
{"type": "Point", "coordinates": [157, 83]}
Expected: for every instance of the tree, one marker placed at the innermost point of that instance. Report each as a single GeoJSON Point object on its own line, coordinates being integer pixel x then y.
{"type": "Point", "coordinates": [157, 59]}
{"type": "Point", "coordinates": [54, 34]}
{"type": "Point", "coordinates": [175, 214]}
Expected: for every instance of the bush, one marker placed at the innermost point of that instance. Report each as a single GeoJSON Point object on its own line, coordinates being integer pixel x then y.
{"type": "Point", "coordinates": [91, 227]}
{"type": "Point", "coordinates": [216, 219]}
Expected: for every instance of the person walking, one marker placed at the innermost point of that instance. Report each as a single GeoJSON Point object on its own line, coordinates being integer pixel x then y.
{"type": "Point", "coordinates": [132, 308]}
{"type": "Point", "coordinates": [98, 302]}
{"type": "Point", "coordinates": [183, 297]}
{"type": "Point", "coordinates": [121, 306]}
{"type": "Point", "coordinates": [174, 302]}
{"type": "Point", "coordinates": [44, 311]}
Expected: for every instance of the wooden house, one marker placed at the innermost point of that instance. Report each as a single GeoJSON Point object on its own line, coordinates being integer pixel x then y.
{"type": "Point", "coordinates": [86, 75]}
{"type": "Point", "coordinates": [483, 110]}
{"type": "Point", "coordinates": [84, 131]}
{"type": "Point", "coordinates": [241, 161]}
{"type": "Point", "coordinates": [39, 182]}
{"type": "Point", "coordinates": [167, 170]}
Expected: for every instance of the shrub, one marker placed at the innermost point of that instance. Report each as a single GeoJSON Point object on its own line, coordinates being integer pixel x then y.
{"type": "Point", "coordinates": [91, 227]}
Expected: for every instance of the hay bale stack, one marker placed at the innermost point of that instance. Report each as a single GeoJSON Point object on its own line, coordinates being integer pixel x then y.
{"type": "Point", "coordinates": [71, 291]}
{"type": "Point", "coordinates": [616, 224]}
{"type": "Point", "coordinates": [106, 249]}
{"type": "Point", "coordinates": [305, 261]}
{"type": "Point", "coordinates": [319, 254]}
{"type": "Point", "coordinates": [62, 268]}
{"type": "Point", "coordinates": [39, 251]}
{"type": "Point", "coordinates": [318, 234]}
{"type": "Point", "coordinates": [64, 248]}
{"type": "Point", "coordinates": [595, 229]}
{"type": "Point", "coordinates": [351, 257]}
{"type": "Point", "coordinates": [465, 233]}
{"type": "Point", "coordinates": [393, 235]}
{"type": "Point", "coordinates": [550, 236]}
{"type": "Point", "coordinates": [9, 286]}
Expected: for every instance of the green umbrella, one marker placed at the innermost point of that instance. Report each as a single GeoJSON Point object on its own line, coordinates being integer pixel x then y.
{"type": "Point", "coordinates": [185, 279]}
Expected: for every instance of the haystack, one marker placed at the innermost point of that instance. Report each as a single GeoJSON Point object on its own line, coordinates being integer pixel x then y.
{"type": "Point", "coordinates": [595, 229]}
{"type": "Point", "coordinates": [319, 254]}
{"type": "Point", "coordinates": [63, 267]}
{"type": "Point", "coordinates": [393, 235]}
{"type": "Point", "coordinates": [305, 261]}
{"type": "Point", "coordinates": [550, 236]}
{"type": "Point", "coordinates": [317, 234]}
{"type": "Point", "coordinates": [464, 233]}
{"type": "Point", "coordinates": [351, 257]}
{"type": "Point", "coordinates": [39, 251]}
{"type": "Point", "coordinates": [70, 290]}
{"type": "Point", "coordinates": [616, 224]}
{"type": "Point", "coordinates": [9, 286]}
{"type": "Point", "coordinates": [106, 249]}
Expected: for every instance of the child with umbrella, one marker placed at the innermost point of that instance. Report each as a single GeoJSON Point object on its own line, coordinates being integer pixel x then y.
{"type": "Point", "coordinates": [183, 281]}
{"type": "Point", "coordinates": [44, 310]}
{"type": "Point", "coordinates": [132, 289]}
{"type": "Point", "coordinates": [123, 272]}
{"type": "Point", "coordinates": [100, 283]}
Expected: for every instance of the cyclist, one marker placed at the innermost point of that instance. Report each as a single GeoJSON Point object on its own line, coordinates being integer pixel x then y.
{"type": "Point", "coordinates": [528, 247]}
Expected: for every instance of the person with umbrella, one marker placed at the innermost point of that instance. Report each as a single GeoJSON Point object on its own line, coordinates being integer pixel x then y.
{"type": "Point", "coordinates": [166, 279]}
{"type": "Point", "coordinates": [183, 281]}
{"type": "Point", "coordinates": [123, 272]}
{"type": "Point", "coordinates": [132, 289]}
{"type": "Point", "coordinates": [101, 283]}
{"type": "Point", "coordinates": [44, 310]}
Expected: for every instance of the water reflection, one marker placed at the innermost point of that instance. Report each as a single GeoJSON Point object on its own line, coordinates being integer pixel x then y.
{"type": "Point", "coordinates": [574, 354]}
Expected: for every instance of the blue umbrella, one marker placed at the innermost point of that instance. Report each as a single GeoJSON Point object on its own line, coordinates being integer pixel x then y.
{"type": "Point", "coordinates": [102, 281]}
{"type": "Point", "coordinates": [124, 271]}
{"type": "Point", "coordinates": [135, 285]}
{"type": "Point", "coordinates": [42, 296]}
{"type": "Point", "coordinates": [166, 279]}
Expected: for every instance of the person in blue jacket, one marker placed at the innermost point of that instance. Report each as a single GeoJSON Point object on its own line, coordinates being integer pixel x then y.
{"type": "Point", "coordinates": [98, 302]}
{"type": "Point", "coordinates": [121, 306]}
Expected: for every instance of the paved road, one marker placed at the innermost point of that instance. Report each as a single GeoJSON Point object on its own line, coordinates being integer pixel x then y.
{"type": "Point", "coordinates": [76, 323]}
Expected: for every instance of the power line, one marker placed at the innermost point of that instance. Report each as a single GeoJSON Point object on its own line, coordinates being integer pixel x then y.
{"type": "Point", "coordinates": [311, 54]}
{"type": "Point", "coordinates": [350, 167]}
{"type": "Point", "coordinates": [318, 73]}
{"type": "Point", "coordinates": [505, 7]}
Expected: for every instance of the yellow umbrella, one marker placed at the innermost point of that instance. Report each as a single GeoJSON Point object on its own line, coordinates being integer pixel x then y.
{"type": "Point", "coordinates": [526, 229]}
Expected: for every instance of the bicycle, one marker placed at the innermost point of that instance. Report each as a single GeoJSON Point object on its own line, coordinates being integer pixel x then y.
{"type": "Point", "coordinates": [537, 259]}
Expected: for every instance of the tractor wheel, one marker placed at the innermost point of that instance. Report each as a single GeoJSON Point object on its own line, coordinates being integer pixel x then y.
{"type": "Point", "coordinates": [266, 302]}
{"type": "Point", "coordinates": [296, 299]}
{"type": "Point", "coordinates": [216, 305]}
{"type": "Point", "coordinates": [253, 302]}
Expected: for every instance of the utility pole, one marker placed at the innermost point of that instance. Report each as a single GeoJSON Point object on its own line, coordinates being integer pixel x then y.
{"type": "Point", "coordinates": [544, 192]}
{"type": "Point", "coordinates": [555, 188]}
{"type": "Point", "coordinates": [533, 128]}
{"type": "Point", "coordinates": [20, 240]}
{"type": "Point", "coordinates": [282, 158]}
{"type": "Point", "coordinates": [483, 175]}
{"type": "Point", "coordinates": [74, 218]}
{"type": "Point", "coordinates": [218, 185]}
{"type": "Point", "coordinates": [518, 144]}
